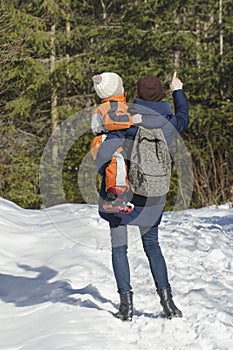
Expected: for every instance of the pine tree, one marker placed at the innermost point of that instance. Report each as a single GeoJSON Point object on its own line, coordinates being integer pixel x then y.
{"type": "Point", "coordinates": [51, 49]}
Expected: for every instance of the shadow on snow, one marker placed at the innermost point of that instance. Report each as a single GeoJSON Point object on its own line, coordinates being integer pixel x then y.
{"type": "Point", "coordinates": [26, 291]}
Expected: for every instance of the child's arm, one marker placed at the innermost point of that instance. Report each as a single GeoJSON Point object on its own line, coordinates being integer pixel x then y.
{"type": "Point", "coordinates": [116, 116]}
{"type": "Point", "coordinates": [148, 117]}
{"type": "Point", "coordinates": [97, 126]}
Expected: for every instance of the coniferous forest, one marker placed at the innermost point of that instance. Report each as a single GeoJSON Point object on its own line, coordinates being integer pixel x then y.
{"type": "Point", "coordinates": [50, 49]}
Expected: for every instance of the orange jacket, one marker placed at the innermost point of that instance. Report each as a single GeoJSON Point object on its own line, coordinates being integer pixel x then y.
{"type": "Point", "coordinates": [112, 114]}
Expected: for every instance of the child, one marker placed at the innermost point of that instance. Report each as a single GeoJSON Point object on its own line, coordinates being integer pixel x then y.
{"type": "Point", "coordinates": [112, 114]}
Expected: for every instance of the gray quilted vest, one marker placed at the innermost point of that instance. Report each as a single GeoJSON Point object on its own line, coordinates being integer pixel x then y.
{"type": "Point", "coordinates": [150, 163]}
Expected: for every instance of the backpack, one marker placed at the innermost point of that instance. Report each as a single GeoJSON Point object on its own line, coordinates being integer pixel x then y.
{"type": "Point", "coordinates": [150, 163]}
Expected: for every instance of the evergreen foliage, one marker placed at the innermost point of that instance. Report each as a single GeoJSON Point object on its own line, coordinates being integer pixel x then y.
{"type": "Point", "coordinates": [50, 50]}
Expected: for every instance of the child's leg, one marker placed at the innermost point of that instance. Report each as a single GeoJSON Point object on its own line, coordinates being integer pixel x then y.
{"type": "Point", "coordinates": [116, 174]}
{"type": "Point", "coordinates": [95, 144]}
{"type": "Point", "coordinates": [116, 179]}
{"type": "Point", "coordinates": [116, 185]}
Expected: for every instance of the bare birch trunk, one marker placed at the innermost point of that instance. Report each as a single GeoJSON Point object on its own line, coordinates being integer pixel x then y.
{"type": "Point", "coordinates": [54, 113]}
{"type": "Point", "coordinates": [220, 29]}
{"type": "Point", "coordinates": [198, 41]}
{"type": "Point", "coordinates": [68, 37]}
{"type": "Point", "coordinates": [176, 53]}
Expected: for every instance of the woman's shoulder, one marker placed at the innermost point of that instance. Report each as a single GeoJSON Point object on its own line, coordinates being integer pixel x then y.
{"type": "Point", "coordinates": [145, 107]}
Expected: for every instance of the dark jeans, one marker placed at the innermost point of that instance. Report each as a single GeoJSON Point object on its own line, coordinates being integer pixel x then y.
{"type": "Point", "coordinates": [152, 249]}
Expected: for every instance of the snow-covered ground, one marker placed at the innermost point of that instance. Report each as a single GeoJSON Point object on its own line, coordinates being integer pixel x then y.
{"type": "Point", "coordinates": [57, 289]}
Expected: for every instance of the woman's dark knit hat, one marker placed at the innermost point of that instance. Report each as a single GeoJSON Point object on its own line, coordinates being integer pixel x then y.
{"type": "Point", "coordinates": [150, 89]}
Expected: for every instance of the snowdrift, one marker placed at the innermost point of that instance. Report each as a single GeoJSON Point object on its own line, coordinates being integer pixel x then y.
{"type": "Point", "coordinates": [57, 289]}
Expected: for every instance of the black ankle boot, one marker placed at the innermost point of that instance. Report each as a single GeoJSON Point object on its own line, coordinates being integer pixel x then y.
{"type": "Point", "coordinates": [125, 312]}
{"type": "Point", "coordinates": [168, 304]}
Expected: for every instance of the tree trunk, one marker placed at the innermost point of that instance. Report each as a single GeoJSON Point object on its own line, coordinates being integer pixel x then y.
{"type": "Point", "coordinates": [54, 113]}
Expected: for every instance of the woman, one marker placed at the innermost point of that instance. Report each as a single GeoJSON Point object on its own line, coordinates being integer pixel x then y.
{"type": "Point", "coordinates": [147, 212]}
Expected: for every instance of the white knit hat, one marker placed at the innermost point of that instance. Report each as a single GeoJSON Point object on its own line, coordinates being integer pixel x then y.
{"type": "Point", "coordinates": [108, 85]}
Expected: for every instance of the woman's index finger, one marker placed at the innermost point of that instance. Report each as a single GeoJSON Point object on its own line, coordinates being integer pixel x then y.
{"type": "Point", "coordinates": [174, 75]}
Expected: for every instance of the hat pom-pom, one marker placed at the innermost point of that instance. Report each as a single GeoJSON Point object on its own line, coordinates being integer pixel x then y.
{"type": "Point", "coordinates": [97, 79]}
